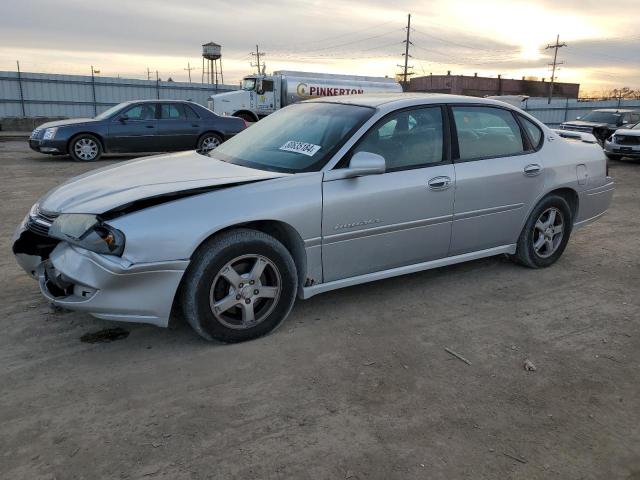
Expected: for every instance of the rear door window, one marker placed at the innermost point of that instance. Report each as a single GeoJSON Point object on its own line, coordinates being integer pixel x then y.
{"type": "Point", "coordinates": [172, 111]}
{"type": "Point", "coordinates": [486, 132]}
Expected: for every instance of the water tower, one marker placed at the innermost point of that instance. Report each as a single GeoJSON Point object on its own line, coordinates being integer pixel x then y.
{"type": "Point", "coordinates": [212, 62]}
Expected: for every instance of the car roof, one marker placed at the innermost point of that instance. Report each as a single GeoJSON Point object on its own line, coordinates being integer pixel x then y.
{"type": "Point", "coordinates": [399, 100]}
{"type": "Point", "coordinates": [161, 100]}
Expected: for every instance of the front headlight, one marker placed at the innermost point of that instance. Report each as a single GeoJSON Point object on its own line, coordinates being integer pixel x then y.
{"type": "Point", "coordinates": [49, 133]}
{"type": "Point", "coordinates": [88, 231]}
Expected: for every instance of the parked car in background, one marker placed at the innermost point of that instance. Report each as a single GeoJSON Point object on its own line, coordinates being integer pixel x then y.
{"type": "Point", "coordinates": [320, 195]}
{"type": "Point", "coordinates": [602, 123]}
{"type": "Point", "coordinates": [625, 142]}
{"type": "Point", "coordinates": [137, 126]}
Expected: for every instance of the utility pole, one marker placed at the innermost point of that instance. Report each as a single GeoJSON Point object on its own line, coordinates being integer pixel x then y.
{"type": "Point", "coordinates": [188, 69]}
{"type": "Point", "coordinates": [148, 74]}
{"type": "Point", "coordinates": [257, 55]}
{"type": "Point", "coordinates": [554, 64]}
{"type": "Point", "coordinates": [406, 55]}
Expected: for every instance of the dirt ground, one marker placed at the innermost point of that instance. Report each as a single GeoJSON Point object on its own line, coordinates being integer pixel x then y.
{"type": "Point", "coordinates": [355, 385]}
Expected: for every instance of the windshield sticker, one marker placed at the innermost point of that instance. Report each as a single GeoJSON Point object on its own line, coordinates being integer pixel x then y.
{"type": "Point", "coordinates": [308, 149]}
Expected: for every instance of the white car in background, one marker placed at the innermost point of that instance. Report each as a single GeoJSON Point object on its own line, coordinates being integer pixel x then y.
{"type": "Point", "coordinates": [625, 142]}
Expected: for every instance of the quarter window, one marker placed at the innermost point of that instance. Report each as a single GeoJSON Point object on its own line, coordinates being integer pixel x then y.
{"type": "Point", "coordinates": [485, 132]}
{"type": "Point", "coordinates": [533, 131]}
{"type": "Point", "coordinates": [190, 112]}
{"type": "Point", "coordinates": [407, 139]}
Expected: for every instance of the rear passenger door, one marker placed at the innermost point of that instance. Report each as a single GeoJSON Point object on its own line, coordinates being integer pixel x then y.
{"type": "Point", "coordinates": [499, 174]}
{"type": "Point", "coordinates": [177, 128]}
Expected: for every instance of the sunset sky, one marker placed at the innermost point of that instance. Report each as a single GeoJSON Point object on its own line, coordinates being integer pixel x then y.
{"type": "Point", "coordinates": [124, 37]}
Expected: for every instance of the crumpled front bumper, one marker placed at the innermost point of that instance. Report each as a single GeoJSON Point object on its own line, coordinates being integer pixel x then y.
{"type": "Point", "coordinates": [107, 288]}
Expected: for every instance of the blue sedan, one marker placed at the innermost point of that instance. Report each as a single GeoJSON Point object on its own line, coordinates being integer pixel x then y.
{"type": "Point", "coordinates": [137, 126]}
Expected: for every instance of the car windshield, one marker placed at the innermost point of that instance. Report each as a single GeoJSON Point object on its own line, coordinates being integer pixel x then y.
{"type": "Point", "coordinates": [298, 138]}
{"type": "Point", "coordinates": [109, 111]}
{"type": "Point", "coordinates": [248, 84]}
{"type": "Point", "coordinates": [602, 117]}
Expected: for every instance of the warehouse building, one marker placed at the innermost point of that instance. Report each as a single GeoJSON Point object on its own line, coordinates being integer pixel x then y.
{"type": "Point", "coordinates": [482, 86]}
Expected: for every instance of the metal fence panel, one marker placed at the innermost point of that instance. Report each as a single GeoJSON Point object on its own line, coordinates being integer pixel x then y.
{"type": "Point", "coordinates": [53, 95]}
{"type": "Point", "coordinates": [563, 109]}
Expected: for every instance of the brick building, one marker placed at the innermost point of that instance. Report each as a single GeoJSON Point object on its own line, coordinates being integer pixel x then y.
{"type": "Point", "coordinates": [482, 86]}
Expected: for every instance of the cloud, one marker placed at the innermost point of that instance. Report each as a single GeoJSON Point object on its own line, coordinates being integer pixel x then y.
{"type": "Point", "coordinates": [491, 37]}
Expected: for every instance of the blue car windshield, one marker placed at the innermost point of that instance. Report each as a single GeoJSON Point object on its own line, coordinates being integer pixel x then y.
{"type": "Point", "coordinates": [299, 138]}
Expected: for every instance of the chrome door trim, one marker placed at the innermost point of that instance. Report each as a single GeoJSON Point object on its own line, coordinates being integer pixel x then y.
{"type": "Point", "coordinates": [486, 211]}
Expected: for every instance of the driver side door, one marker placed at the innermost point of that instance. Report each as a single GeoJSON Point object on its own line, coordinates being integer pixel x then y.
{"type": "Point", "coordinates": [135, 134]}
{"type": "Point", "coordinates": [402, 217]}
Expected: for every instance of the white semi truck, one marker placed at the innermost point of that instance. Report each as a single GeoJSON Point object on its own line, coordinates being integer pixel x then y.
{"type": "Point", "coordinates": [261, 95]}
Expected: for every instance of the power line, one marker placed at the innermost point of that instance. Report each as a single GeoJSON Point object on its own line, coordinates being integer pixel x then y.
{"type": "Point", "coordinates": [554, 64]}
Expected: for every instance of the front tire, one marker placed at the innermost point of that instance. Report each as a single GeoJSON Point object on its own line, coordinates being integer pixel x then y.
{"type": "Point", "coordinates": [613, 156]}
{"type": "Point", "coordinates": [240, 285]}
{"type": "Point", "coordinates": [85, 148]}
{"type": "Point", "coordinates": [546, 233]}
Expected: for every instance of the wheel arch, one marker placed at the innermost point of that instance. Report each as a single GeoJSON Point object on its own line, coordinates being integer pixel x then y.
{"type": "Point", "coordinates": [281, 231]}
{"type": "Point", "coordinates": [246, 112]}
{"type": "Point", "coordinates": [570, 195]}
{"type": "Point", "coordinates": [93, 134]}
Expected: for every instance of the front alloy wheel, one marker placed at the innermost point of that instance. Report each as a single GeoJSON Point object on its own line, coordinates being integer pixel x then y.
{"type": "Point", "coordinates": [240, 284]}
{"type": "Point", "coordinates": [245, 291]}
{"type": "Point", "coordinates": [86, 148]}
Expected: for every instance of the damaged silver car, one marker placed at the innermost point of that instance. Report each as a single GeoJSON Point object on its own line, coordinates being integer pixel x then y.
{"type": "Point", "coordinates": [320, 195]}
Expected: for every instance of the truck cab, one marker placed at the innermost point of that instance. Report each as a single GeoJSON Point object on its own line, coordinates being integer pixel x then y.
{"type": "Point", "coordinates": [256, 98]}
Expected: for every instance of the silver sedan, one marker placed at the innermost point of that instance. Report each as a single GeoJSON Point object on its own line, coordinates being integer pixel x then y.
{"type": "Point", "coordinates": [320, 195]}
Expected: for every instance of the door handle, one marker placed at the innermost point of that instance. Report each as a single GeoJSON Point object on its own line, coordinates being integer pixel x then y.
{"type": "Point", "coordinates": [149, 126]}
{"type": "Point", "coordinates": [439, 183]}
{"type": "Point", "coordinates": [532, 170]}
{"type": "Point", "coordinates": [194, 125]}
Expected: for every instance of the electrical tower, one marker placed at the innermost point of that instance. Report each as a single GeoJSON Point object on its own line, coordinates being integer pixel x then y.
{"type": "Point", "coordinates": [554, 64]}
{"type": "Point", "coordinates": [405, 68]}
{"type": "Point", "coordinates": [257, 54]}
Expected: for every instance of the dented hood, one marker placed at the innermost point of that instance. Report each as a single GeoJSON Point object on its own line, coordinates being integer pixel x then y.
{"type": "Point", "coordinates": [107, 188]}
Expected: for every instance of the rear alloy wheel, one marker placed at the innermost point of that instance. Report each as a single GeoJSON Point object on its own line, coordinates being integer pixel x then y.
{"type": "Point", "coordinates": [546, 233]}
{"type": "Point", "coordinates": [85, 148]}
{"type": "Point", "coordinates": [240, 285]}
{"type": "Point", "coordinates": [208, 142]}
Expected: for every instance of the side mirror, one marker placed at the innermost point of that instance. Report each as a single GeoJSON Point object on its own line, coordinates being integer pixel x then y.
{"type": "Point", "coordinates": [259, 89]}
{"type": "Point", "coordinates": [578, 118]}
{"type": "Point", "coordinates": [361, 164]}
{"type": "Point", "coordinates": [123, 118]}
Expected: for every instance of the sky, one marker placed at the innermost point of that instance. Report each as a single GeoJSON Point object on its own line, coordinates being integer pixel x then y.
{"type": "Point", "coordinates": [125, 37]}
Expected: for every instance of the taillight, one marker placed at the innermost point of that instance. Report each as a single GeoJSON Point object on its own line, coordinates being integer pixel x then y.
{"type": "Point", "coordinates": [246, 125]}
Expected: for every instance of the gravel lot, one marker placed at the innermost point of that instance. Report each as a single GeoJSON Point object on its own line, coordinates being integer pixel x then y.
{"type": "Point", "coordinates": [355, 385]}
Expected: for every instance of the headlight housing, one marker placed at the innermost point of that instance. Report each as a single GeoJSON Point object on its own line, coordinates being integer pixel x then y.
{"type": "Point", "coordinates": [49, 133]}
{"type": "Point", "coordinates": [88, 231]}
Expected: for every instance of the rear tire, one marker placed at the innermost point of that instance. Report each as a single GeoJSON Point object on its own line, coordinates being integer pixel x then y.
{"type": "Point", "coordinates": [240, 285]}
{"type": "Point", "coordinates": [546, 233]}
{"type": "Point", "coordinates": [208, 142]}
{"type": "Point", "coordinates": [85, 148]}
